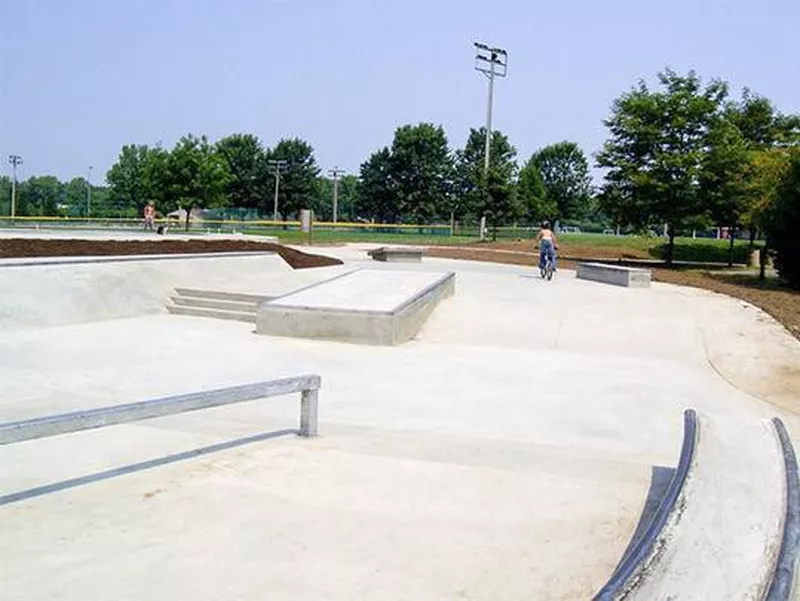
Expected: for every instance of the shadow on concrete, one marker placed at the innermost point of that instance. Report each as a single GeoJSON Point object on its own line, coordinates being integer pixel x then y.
{"type": "Point", "coordinates": [660, 477]}
{"type": "Point", "coordinates": [137, 467]}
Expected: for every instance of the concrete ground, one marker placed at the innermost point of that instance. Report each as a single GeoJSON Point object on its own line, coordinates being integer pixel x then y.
{"type": "Point", "coordinates": [505, 453]}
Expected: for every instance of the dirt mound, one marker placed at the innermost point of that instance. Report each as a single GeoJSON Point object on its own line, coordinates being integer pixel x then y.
{"type": "Point", "coordinates": [33, 247]}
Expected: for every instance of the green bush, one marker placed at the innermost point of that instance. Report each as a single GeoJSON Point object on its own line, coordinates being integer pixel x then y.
{"type": "Point", "coordinates": [704, 251]}
{"type": "Point", "coordinates": [783, 228]}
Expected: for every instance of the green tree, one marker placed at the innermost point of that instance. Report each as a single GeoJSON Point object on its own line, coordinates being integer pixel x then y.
{"type": "Point", "coordinates": [127, 177]}
{"type": "Point", "coordinates": [75, 197]}
{"type": "Point", "coordinates": [5, 195]}
{"type": "Point", "coordinates": [723, 184]}
{"type": "Point", "coordinates": [195, 176]}
{"type": "Point", "coordinates": [763, 129]}
{"type": "Point", "coordinates": [478, 194]}
{"type": "Point", "coordinates": [535, 203]}
{"type": "Point", "coordinates": [375, 194]}
{"type": "Point", "coordinates": [565, 173]}
{"type": "Point", "coordinates": [298, 185]}
{"type": "Point", "coordinates": [656, 152]}
{"type": "Point", "coordinates": [250, 181]}
{"type": "Point", "coordinates": [39, 196]}
{"type": "Point", "coordinates": [760, 123]}
{"type": "Point", "coordinates": [421, 169]}
{"type": "Point", "coordinates": [783, 224]}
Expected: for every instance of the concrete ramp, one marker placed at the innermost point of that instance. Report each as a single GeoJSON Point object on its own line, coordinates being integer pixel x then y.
{"type": "Point", "coordinates": [365, 306]}
{"type": "Point", "coordinates": [59, 291]}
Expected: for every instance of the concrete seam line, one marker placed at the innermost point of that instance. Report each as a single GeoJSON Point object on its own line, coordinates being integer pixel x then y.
{"type": "Point", "coordinates": [783, 578]}
{"type": "Point", "coordinates": [314, 285]}
{"type": "Point", "coordinates": [625, 573]}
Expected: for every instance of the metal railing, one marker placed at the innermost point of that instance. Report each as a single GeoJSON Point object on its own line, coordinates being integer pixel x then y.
{"type": "Point", "coordinates": [52, 425]}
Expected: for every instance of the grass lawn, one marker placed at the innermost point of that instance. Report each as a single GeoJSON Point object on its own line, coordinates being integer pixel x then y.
{"type": "Point", "coordinates": [703, 250]}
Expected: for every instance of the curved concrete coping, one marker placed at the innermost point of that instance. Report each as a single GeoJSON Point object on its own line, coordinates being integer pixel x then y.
{"type": "Point", "coordinates": [624, 575]}
{"type": "Point", "coordinates": [722, 526]}
{"type": "Point", "coordinates": [784, 578]}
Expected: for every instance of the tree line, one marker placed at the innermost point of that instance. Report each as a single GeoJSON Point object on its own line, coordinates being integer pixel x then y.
{"type": "Point", "coordinates": [419, 178]}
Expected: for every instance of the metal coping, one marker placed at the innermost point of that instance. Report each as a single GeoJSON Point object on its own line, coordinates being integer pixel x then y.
{"type": "Point", "coordinates": [52, 425]}
{"type": "Point", "coordinates": [275, 303]}
{"type": "Point", "coordinates": [782, 583]}
{"type": "Point", "coordinates": [32, 262]}
{"type": "Point", "coordinates": [643, 548]}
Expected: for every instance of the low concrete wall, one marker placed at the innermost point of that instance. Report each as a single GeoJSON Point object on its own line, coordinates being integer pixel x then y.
{"type": "Point", "coordinates": [629, 277]}
{"type": "Point", "coordinates": [365, 326]}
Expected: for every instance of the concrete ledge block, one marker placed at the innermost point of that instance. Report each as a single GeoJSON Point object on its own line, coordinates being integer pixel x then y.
{"type": "Point", "coordinates": [365, 306]}
{"type": "Point", "coordinates": [629, 277]}
{"type": "Point", "coordinates": [397, 254]}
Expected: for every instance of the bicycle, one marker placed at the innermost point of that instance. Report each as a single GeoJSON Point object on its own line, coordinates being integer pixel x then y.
{"type": "Point", "coordinates": [547, 270]}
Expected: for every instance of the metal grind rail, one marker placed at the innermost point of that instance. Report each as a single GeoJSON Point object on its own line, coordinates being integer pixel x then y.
{"type": "Point", "coordinates": [52, 425]}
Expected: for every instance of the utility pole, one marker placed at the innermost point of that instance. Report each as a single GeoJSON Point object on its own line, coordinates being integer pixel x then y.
{"type": "Point", "coordinates": [89, 193]}
{"type": "Point", "coordinates": [492, 62]}
{"type": "Point", "coordinates": [15, 160]}
{"type": "Point", "coordinates": [335, 173]}
{"type": "Point", "coordinates": [279, 165]}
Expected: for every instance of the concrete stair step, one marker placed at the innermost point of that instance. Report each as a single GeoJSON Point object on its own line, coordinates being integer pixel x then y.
{"type": "Point", "coordinates": [249, 317]}
{"type": "Point", "coordinates": [220, 295]}
{"type": "Point", "coordinates": [210, 303]}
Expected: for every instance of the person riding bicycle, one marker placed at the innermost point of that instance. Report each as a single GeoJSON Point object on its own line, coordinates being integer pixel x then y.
{"type": "Point", "coordinates": [547, 241]}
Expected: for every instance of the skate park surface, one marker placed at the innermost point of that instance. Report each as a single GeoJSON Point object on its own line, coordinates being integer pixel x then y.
{"type": "Point", "coordinates": [506, 452]}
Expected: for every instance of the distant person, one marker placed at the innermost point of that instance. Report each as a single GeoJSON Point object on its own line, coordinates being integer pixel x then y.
{"type": "Point", "coordinates": [149, 215]}
{"type": "Point", "coordinates": [548, 244]}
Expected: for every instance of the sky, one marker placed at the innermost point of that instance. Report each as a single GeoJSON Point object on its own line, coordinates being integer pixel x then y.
{"type": "Point", "coordinates": [80, 78]}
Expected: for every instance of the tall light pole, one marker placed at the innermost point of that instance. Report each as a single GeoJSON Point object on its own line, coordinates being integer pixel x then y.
{"type": "Point", "coordinates": [279, 165]}
{"type": "Point", "coordinates": [335, 173]}
{"type": "Point", "coordinates": [492, 62]}
{"type": "Point", "coordinates": [15, 160]}
{"type": "Point", "coordinates": [89, 193]}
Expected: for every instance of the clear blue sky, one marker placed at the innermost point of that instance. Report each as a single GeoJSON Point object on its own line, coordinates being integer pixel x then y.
{"type": "Point", "coordinates": [80, 78]}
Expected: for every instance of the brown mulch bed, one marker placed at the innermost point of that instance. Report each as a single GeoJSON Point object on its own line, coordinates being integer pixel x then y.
{"type": "Point", "coordinates": [781, 303]}
{"type": "Point", "coordinates": [35, 247]}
